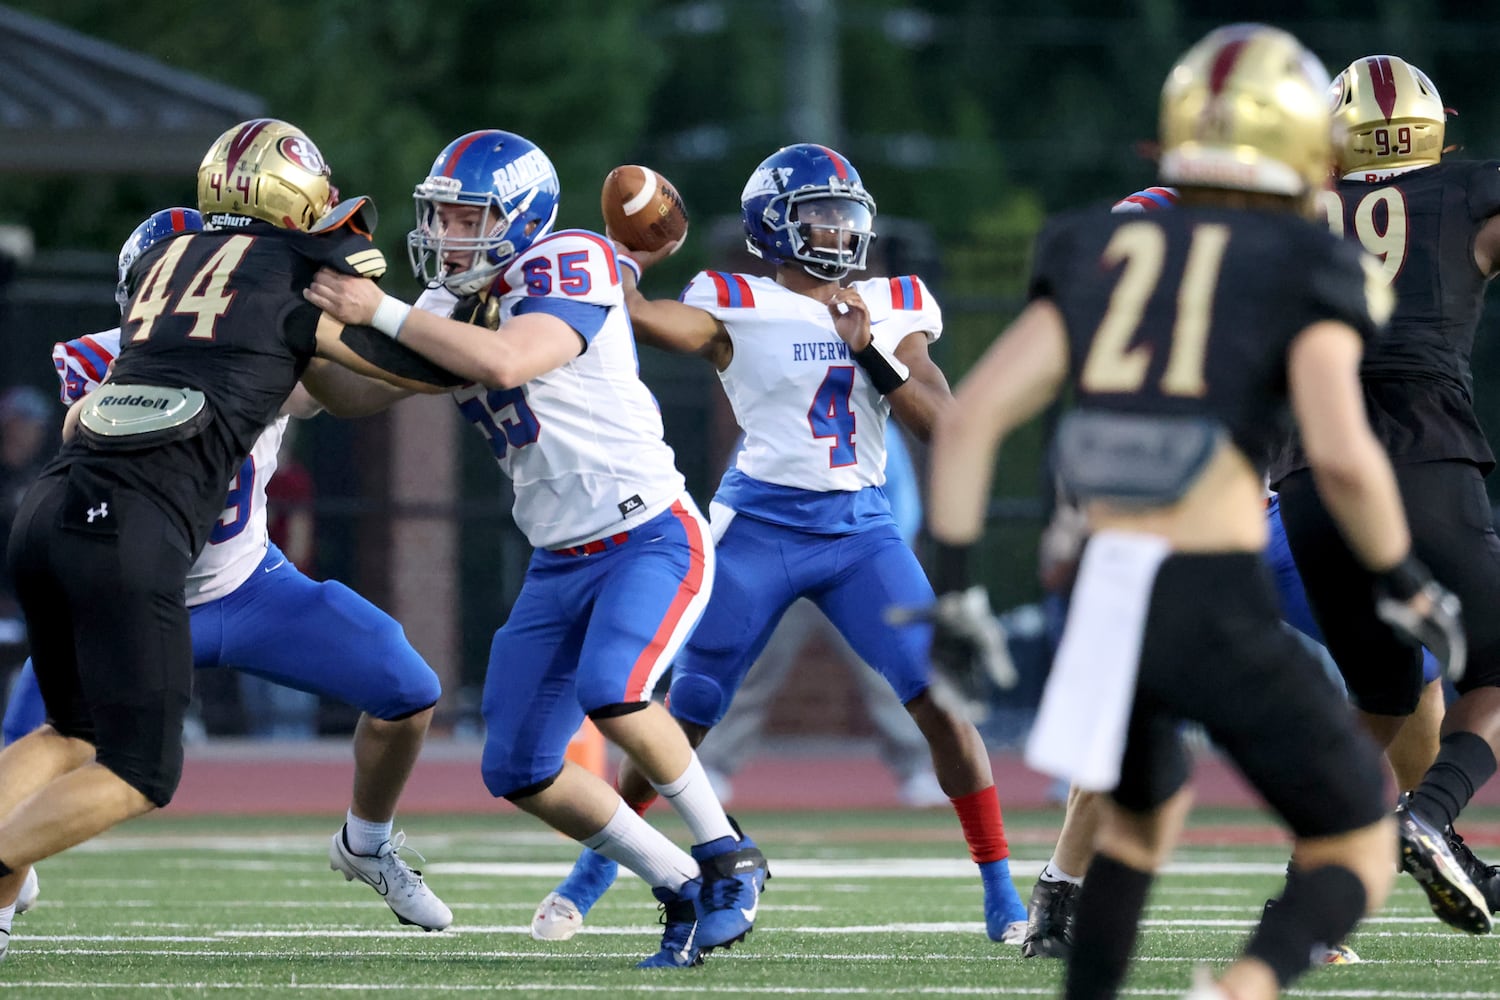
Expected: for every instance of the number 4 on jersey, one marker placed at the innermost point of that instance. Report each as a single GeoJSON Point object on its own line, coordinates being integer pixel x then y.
{"type": "Point", "coordinates": [830, 415]}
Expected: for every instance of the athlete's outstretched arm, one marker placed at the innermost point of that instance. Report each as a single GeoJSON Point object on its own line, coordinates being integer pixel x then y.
{"type": "Point", "coordinates": [1018, 376]}
{"type": "Point", "coordinates": [524, 347]}
{"type": "Point", "coordinates": [345, 393]}
{"type": "Point", "coordinates": [669, 325]}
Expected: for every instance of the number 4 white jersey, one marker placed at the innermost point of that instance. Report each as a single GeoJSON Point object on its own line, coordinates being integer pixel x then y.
{"type": "Point", "coordinates": [238, 541]}
{"type": "Point", "coordinates": [811, 418]}
{"type": "Point", "coordinates": [583, 442]}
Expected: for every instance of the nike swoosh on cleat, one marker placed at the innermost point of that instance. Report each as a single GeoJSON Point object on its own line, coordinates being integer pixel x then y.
{"type": "Point", "coordinates": [751, 912]}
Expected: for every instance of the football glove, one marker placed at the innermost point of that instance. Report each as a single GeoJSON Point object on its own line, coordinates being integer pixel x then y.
{"type": "Point", "coordinates": [1440, 627]}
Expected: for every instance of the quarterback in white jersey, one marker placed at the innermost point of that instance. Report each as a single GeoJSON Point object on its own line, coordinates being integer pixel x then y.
{"type": "Point", "coordinates": [813, 367]}
{"type": "Point", "coordinates": [623, 563]}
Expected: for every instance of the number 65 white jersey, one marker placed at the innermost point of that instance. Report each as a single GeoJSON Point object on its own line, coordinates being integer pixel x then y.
{"type": "Point", "coordinates": [811, 418]}
{"type": "Point", "coordinates": [583, 442]}
{"type": "Point", "coordinates": [238, 541]}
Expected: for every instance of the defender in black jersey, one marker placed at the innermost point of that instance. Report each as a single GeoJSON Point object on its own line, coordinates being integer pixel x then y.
{"type": "Point", "coordinates": [1182, 335]}
{"type": "Point", "coordinates": [1435, 227]}
{"type": "Point", "coordinates": [213, 340]}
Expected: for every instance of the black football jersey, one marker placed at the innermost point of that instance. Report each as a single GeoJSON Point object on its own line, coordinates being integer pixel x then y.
{"type": "Point", "coordinates": [221, 312]}
{"type": "Point", "coordinates": [1190, 312]}
{"type": "Point", "coordinates": [1421, 224]}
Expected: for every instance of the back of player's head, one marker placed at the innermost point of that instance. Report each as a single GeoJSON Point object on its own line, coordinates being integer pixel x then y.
{"type": "Point", "coordinates": [1390, 115]}
{"type": "Point", "coordinates": [806, 204]}
{"type": "Point", "coordinates": [263, 169]}
{"type": "Point", "coordinates": [510, 186]}
{"type": "Point", "coordinates": [157, 227]}
{"type": "Point", "coordinates": [1246, 109]}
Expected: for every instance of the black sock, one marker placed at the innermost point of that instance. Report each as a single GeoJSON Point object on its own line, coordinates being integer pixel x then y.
{"type": "Point", "coordinates": [1318, 908]}
{"type": "Point", "coordinates": [1464, 763]}
{"type": "Point", "coordinates": [1104, 931]}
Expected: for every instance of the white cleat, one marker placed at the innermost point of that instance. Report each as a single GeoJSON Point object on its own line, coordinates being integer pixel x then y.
{"type": "Point", "coordinates": [1204, 987]}
{"type": "Point", "coordinates": [555, 919]}
{"type": "Point", "coordinates": [30, 890]}
{"type": "Point", "coordinates": [1015, 933]}
{"type": "Point", "coordinates": [1337, 955]}
{"type": "Point", "coordinates": [397, 882]}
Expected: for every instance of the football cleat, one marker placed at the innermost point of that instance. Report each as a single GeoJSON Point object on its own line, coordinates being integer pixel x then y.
{"type": "Point", "coordinates": [734, 870]}
{"type": "Point", "coordinates": [1204, 987]}
{"type": "Point", "coordinates": [1426, 857]}
{"type": "Point", "coordinates": [556, 919]}
{"type": "Point", "coordinates": [1049, 920]}
{"type": "Point", "coordinates": [399, 884]}
{"type": "Point", "coordinates": [1486, 878]}
{"type": "Point", "coordinates": [559, 916]}
{"type": "Point", "coordinates": [1340, 954]}
{"type": "Point", "coordinates": [679, 936]}
{"type": "Point", "coordinates": [30, 890]}
{"type": "Point", "coordinates": [1004, 913]}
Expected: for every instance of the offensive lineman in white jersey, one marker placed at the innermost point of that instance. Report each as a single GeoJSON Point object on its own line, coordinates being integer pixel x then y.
{"type": "Point", "coordinates": [251, 610]}
{"type": "Point", "coordinates": [813, 368]}
{"type": "Point", "coordinates": [623, 562]}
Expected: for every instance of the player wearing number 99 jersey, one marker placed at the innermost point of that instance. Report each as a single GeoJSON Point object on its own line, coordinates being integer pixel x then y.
{"type": "Point", "coordinates": [1435, 225]}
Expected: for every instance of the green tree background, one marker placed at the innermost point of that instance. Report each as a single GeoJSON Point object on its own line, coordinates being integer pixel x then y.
{"type": "Point", "coordinates": [974, 117]}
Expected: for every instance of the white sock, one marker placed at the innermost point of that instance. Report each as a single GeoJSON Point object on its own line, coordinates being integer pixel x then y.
{"type": "Point", "coordinates": [365, 837]}
{"type": "Point", "coordinates": [693, 797]}
{"type": "Point", "coordinates": [1052, 873]}
{"type": "Point", "coordinates": [645, 850]}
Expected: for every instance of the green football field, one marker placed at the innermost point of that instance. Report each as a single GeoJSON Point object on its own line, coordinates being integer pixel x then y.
{"type": "Point", "coordinates": [860, 904]}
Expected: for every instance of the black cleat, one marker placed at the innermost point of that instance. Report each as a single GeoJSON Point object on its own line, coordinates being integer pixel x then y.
{"type": "Point", "coordinates": [1426, 857]}
{"type": "Point", "coordinates": [1486, 878]}
{"type": "Point", "coordinates": [1049, 920]}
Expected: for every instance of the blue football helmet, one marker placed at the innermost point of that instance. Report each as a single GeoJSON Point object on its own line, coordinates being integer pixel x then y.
{"type": "Point", "coordinates": [799, 193]}
{"type": "Point", "coordinates": [167, 222]}
{"type": "Point", "coordinates": [513, 184]}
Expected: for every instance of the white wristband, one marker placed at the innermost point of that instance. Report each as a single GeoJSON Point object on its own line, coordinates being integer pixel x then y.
{"type": "Point", "coordinates": [389, 316]}
{"type": "Point", "coordinates": [629, 262]}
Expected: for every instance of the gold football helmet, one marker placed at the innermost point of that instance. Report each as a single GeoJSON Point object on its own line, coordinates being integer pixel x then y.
{"type": "Point", "coordinates": [263, 169]}
{"type": "Point", "coordinates": [1247, 109]}
{"type": "Point", "coordinates": [1391, 115]}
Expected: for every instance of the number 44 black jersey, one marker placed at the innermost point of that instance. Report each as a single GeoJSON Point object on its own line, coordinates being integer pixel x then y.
{"type": "Point", "coordinates": [222, 313]}
{"type": "Point", "coordinates": [1421, 225]}
{"type": "Point", "coordinates": [1190, 312]}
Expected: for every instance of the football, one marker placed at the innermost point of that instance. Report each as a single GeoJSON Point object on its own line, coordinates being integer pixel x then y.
{"type": "Point", "coordinates": [642, 209]}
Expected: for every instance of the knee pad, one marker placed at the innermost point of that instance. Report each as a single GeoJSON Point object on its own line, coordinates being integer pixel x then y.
{"type": "Point", "coordinates": [157, 779]}
{"type": "Point", "coordinates": [697, 699]}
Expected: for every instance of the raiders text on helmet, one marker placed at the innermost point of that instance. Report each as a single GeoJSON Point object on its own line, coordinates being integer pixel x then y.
{"type": "Point", "coordinates": [505, 176]}
{"type": "Point", "coordinates": [263, 169]}
{"type": "Point", "coordinates": [1247, 109]}
{"type": "Point", "coordinates": [1391, 115]}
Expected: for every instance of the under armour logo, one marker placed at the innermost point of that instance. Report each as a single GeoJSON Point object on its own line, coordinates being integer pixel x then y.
{"type": "Point", "coordinates": [100, 511]}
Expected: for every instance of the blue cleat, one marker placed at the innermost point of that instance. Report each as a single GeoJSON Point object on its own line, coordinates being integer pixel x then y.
{"type": "Point", "coordinates": [679, 918]}
{"type": "Point", "coordinates": [734, 871]}
{"type": "Point", "coordinates": [1004, 913]}
{"type": "Point", "coordinates": [559, 916]}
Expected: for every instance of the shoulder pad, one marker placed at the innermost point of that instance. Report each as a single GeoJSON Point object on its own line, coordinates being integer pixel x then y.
{"type": "Point", "coordinates": [719, 289]}
{"type": "Point", "coordinates": [357, 213]}
{"type": "Point", "coordinates": [342, 249]}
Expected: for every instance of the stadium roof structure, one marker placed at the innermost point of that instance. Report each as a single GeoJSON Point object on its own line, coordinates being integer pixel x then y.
{"type": "Point", "coordinates": [72, 104]}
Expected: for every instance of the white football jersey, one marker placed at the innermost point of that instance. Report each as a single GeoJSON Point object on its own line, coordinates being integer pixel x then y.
{"type": "Point", "coordinates": [811, 418]}
{"type": "Point", "coordinates": [238, 541]}
{"type": "Point", "coordinates": [582, 443]}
